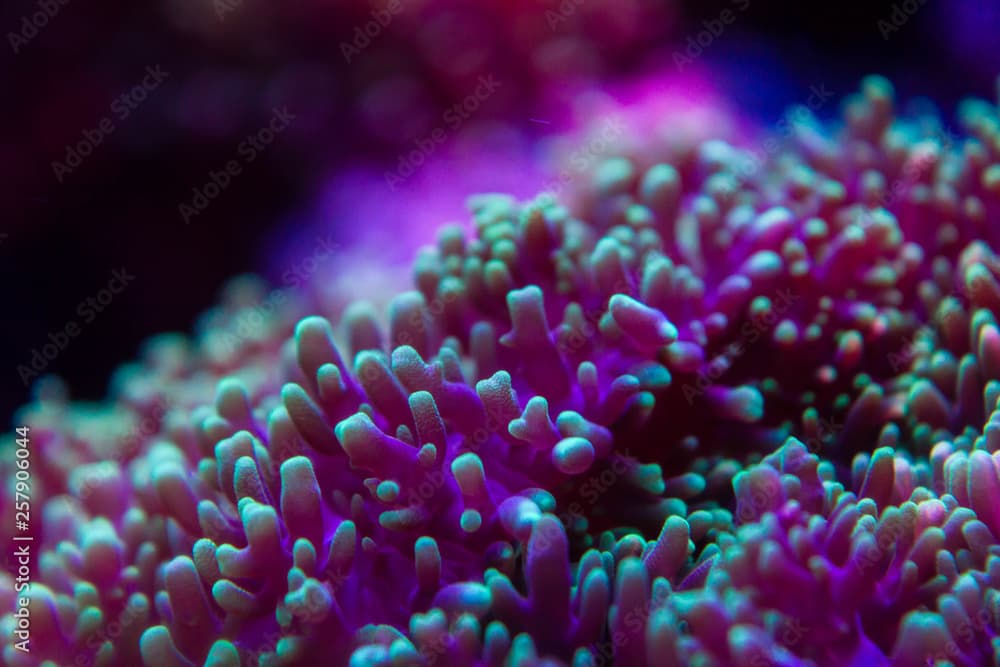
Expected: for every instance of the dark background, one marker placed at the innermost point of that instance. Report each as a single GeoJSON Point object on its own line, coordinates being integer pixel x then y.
{"type": "Point", "coordinates": [120, 207]}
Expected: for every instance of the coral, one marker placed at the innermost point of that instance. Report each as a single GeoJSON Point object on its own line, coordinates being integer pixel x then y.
{"type": "Point", "coordinates": [736, 407]}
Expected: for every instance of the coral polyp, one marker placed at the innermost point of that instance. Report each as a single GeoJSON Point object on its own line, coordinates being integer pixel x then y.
{"type": "Point", "coordinates": [732, 406]}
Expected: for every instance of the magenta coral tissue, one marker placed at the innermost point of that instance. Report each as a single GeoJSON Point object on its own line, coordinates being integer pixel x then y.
{"type": "Point", "coordinates": [713, 406]}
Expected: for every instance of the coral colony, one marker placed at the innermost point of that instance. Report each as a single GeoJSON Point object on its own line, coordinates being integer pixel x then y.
{"type": "Point", "coordinates": [733, 407]}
